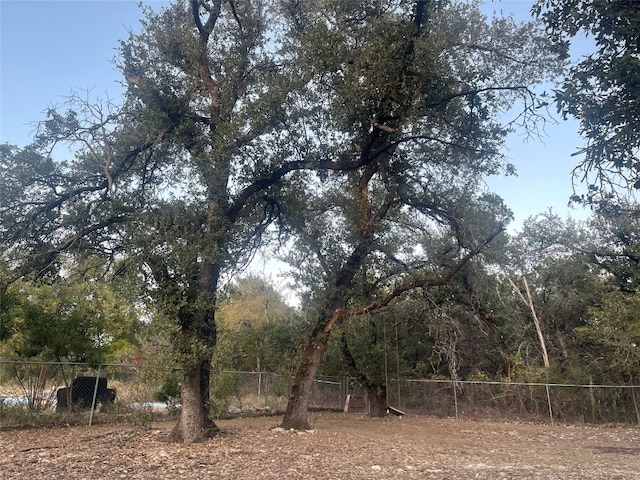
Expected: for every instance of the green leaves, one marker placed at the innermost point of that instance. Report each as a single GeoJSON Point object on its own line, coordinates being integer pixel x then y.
{"type": "Point", "coordinates": [257, 330]}
{"type": "Point", "coordinates": [601, 90]}
{"type": "Point", "coordinates": [73, 321]}
{"type": "Point", "coordinates": [611, 337]}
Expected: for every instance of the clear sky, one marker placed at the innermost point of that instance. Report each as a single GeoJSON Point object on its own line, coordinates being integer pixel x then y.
{"type": "Point", "coordinates": [49, 48]}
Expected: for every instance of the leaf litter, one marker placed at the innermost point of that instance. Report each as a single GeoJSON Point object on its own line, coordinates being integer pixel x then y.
{"type": "Point", "coordinates": [340, 447]}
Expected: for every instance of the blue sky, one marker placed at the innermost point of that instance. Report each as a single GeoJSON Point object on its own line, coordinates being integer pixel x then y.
{"type": "Point", "coordinates": [49, 48]}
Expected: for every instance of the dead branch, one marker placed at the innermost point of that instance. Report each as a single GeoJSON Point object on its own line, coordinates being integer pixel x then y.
{"type": "Point", "coordinates": [529, 303]}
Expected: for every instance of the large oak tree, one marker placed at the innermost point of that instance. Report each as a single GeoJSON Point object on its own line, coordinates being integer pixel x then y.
{"type": "Point", "coordinates": [414, 91]}
{"type": "Point", "coordinates": [177, 186]}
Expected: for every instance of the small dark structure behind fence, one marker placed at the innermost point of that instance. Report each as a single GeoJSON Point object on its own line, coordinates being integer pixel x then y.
{"type": "Point", "coordinates": [84, 393]}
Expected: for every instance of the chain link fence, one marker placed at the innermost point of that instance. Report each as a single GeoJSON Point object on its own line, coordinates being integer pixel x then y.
{"type": "Point", "coordinates": [33, 393]}
{"type": "Point", "coordinates": [551, 402]}
{"type": "Point", "coordinates": [262, 392]}
{"type": "Point", "coordinates": [49, 393]}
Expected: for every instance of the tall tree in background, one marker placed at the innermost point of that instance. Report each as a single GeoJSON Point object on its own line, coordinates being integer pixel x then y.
{"type": "Point", "coordinates": [75, 320]}
{"type": "Point", "coordinates": [562, 285]}
{"type": "Point", "coordinates": [413, 90]}
{"type": "Point", "coordinates": [614, 244]}
{"type": "Point", "coordinates": [601, 90]}
{"type": "Point", "coordinates": [257, 329]}
{"type": "Point", "coordinates": [365, 354]}
{"type": "Point", "coordinates": [609, 340]}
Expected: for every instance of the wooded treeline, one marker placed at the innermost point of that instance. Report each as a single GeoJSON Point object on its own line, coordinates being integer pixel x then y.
{"type": "Point", "coordinates": [349, 140]}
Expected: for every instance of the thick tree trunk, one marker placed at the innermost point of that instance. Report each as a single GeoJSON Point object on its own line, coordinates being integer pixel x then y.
{"type": "Point", "coordinates": [195, 424]}
{"type": "Point", "coordinates": [377, 400]}
{"type": "Point", "coordinates": [377, 394]}
{"type": "Point", "coordinates": [296, 414]}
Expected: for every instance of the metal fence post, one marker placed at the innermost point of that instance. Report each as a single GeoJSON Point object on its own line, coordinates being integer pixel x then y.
{"type": "Point", "coordinates": [549, 403]}
{"type": "Point", "coordinates": [455, 398]}
{"type": "Point", "coordinates": [95, 394]}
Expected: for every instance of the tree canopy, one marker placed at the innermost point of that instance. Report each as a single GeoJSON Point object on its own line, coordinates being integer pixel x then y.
{"type": "Point", "coordinates": [77, 319]}
{"type": "Point", "coordinates": [600, 90]}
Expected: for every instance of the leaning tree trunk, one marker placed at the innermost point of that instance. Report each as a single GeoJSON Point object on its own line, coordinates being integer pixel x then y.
{"type": "Point", "coordinates": [297, 408]}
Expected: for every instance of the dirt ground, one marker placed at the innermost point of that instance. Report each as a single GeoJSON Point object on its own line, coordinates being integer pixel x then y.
{"type": "Point", "coordinates": [339, 447]}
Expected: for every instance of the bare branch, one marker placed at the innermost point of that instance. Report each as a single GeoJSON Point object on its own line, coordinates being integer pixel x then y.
{"type": "Point", "coordinates": [529, 303]}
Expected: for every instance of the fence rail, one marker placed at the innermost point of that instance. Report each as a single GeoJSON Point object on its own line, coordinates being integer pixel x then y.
{"type": "Point", "coordinates": [119, 391]}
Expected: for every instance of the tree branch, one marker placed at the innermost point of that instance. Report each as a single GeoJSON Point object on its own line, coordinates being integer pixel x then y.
{"type": "Point", "coordinates": [203, 69]}
{"type": "Point", "coordinates": [465, 93]}
{"type": "Point", "coordinates": [70, 241]}
{"type": "Point", "coordinates": [421, 283]}
{"type": "Point", "coordinates": [529, 303]}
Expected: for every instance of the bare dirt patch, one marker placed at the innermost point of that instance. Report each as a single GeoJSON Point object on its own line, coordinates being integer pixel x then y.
{"type": "Point", "coordinates": [339, 447]}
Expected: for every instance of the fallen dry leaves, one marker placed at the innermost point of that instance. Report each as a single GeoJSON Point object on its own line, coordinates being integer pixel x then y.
{"type": "Point", "coordinates": [339, 447]}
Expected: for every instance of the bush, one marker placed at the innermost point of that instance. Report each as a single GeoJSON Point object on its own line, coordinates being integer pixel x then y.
{"type": "Point", "coordinates": [225, 389]}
